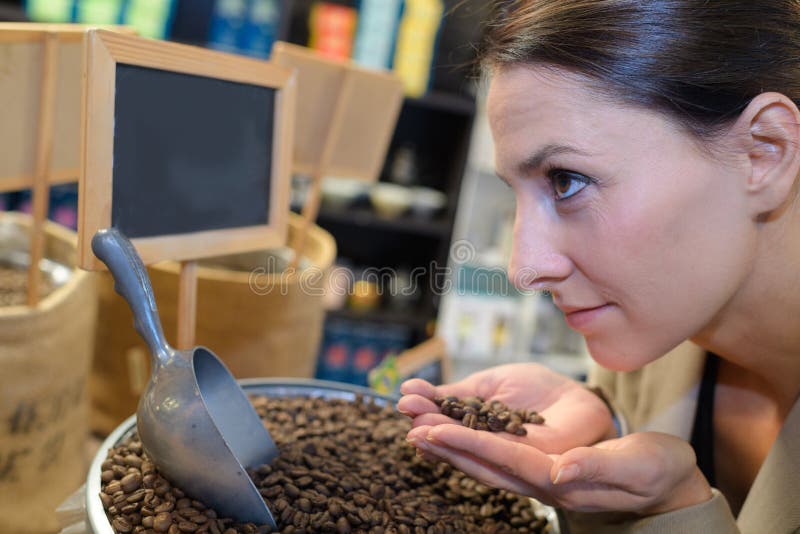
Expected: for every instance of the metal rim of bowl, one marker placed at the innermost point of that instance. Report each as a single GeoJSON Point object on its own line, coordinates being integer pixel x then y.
{"type": "Point", "coordinates": [286, 387]}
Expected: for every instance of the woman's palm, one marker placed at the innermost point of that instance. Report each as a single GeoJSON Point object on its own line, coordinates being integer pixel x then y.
{"type": "Point", "coordinates": [573, 415]}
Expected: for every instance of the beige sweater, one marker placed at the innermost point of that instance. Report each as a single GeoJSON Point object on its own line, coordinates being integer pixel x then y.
{"type": "Point", "coordinates": [662, 397]}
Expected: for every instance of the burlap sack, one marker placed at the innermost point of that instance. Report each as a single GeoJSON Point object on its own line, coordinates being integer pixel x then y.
{"type": "Point", "coordinates": [258, 324]}
{"type": "Point", "coordinates": [45, 355]}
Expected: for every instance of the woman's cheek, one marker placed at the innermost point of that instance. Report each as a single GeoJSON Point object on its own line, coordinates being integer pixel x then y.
{"type": "Point", "coordinates": [631, 338]}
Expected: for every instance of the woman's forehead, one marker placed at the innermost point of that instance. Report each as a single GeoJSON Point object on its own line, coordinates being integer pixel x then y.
{"type": "Point", "coordinates": [529, 107]}
{"type": "Point", "coordinates": [543, 105]}
{"type": "Point", "coordinates": [519, 87]}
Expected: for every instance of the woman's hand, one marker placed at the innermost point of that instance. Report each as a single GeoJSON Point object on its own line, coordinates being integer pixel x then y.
{"type": "Point", "coordinates": [573, 415]}
{"type": "Point", "coordinates": [645, 472]}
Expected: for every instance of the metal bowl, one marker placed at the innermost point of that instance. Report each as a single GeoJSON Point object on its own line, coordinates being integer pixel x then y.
{"type": "Point", "coordinates": [270, 387]}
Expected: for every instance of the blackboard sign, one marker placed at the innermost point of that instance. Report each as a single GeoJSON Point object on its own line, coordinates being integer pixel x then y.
{"type": "Point", "coordinates": [186, 150]}
{"type": "Point", "coordinates": [195, 151]}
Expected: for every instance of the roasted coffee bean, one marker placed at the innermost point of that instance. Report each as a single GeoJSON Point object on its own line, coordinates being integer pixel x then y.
{"type": "Point", "coordinates": [353, 519]}
{"type": "Point", "coordinates": [106, 500]}
{"type": "Point", "coordinates": [166, 506]}
{"type": "Point", "coordinates": [119, 471]}
{"type": "Point", "coordinates": [304, 481]}
{"type": "Point", "coordinates": [129, 508]}
{"type": "Point", "coordinates": [535, 418]}
{"type": "Point", "coordinates": [131, 482]}
{"type": "Point", "coordinates": [377, 491]}
{"type": "Point", "coordinates": [292, 490]}
{"type": "Point", "coordinates": [303, 504]}
{"type": "Point", "coordinates": [342, 526]}
{"type": "Point", "coordinates": [161, 487]}
{"type": "Point", "coordinates": [132, 460]}
{"type": "Point", "coordinates": [162, 522]}
{"type": "Point", "coordinates": [469, 420]}
{"type": "Point", "coordinates": [121, 524]}
{"type": "Point", "coordinates": [270, 493]}
{"type": "Point", "coordinates": [360, 499]}
{"type": "Point", "coordinates": [136, 496]}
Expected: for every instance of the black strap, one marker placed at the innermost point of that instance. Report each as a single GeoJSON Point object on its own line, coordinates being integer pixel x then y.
{"type": "Point", "coordinates": [703, 431]}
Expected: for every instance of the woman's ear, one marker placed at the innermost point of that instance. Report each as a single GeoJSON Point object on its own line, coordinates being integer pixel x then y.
{"type": "Point", "coordinates": [772, 127]}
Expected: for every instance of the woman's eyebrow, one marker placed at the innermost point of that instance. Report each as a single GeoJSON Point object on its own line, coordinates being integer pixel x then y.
{"type": "Point", "coordinates": [536, 160]}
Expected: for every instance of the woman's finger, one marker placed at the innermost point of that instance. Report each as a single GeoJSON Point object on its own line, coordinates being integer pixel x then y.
{"type": "Point", "coordinates": [414, 404]}
{"type": "Point", "coordinates": [638, 463]}
{"type": "Point", "coordinates": [423, 388]}
{"type": "Point", "coordinates": [431, 419]}
{"type": "Point", "coordinates": [512, 457]}
{"type": "Point", "coordinates": [583, 496]}
{"type": "Point", "coordinates": [417, 386]}
{"type": "Point", "coordinates": [475, 467]}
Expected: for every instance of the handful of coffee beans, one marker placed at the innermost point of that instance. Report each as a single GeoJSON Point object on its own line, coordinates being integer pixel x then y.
{"type": "Point", "coordinates": [344, 467]}
{"type": "Point", "coordinates": [494, 416]}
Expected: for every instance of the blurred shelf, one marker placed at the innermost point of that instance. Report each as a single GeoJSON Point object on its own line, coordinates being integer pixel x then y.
{"type": "Point", "coordinates": [411, 318]}
{"type": "Point", "coordinates": [442, 101]}
{"type": "Point", "coordinates": [366, 218]}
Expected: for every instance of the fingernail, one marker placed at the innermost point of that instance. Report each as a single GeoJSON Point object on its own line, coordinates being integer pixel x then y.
{"type": "Point", "coordinates": [568, 473]}
{"type": "Point", "coordinates": [411, 440]}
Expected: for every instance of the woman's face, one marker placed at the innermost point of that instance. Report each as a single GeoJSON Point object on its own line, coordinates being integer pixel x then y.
{"type": "Point", "coordinates": [641, 237]}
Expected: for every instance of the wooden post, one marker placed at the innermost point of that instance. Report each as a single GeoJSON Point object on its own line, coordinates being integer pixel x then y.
{"type": "Point", "coordinates": [311, 206]}
{"type": "Point", "coordinates": [422, 355]}
{"type": "Point", "coordinates": [187, 305]}
{"type": "Point", "coordinates": [40, 194]}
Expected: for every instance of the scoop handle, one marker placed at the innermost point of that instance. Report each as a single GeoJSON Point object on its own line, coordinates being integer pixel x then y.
{"type": "Point", "coordinates": [133, 284]}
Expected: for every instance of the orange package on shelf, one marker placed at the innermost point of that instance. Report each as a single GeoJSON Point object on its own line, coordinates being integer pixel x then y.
{"type": "Point", "coordinates": [332, 30]}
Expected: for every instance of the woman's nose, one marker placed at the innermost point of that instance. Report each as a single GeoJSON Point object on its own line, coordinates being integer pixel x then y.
{"type": "Point", "coordinates": [536, 263]}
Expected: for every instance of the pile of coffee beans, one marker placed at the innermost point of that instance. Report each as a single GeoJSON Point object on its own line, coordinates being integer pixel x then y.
{"type": "Point", "coordinates": [344, 467]}
{"type": "Point", "coordinates": [14, 284]}
{"type": "Point", "coordinates": [494, 416]}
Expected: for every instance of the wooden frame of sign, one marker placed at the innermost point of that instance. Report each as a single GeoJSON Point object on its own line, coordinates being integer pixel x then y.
{"type": "Point", "coordinates": [111, 194]}
{"type": "Point", "coordinates": [40, 132]}
{"type": "Point", "coordinates": [345, 124]}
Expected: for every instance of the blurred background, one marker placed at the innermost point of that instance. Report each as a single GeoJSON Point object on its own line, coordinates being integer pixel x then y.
{"type": "Point", "coordinates": [423, 252]}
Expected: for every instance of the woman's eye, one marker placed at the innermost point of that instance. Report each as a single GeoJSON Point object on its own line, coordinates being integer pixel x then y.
{"type": "Point", "coordinates": [567, 183]}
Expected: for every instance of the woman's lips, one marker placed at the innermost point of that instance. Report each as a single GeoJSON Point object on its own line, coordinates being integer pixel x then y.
{"type": "Point", "coordinates": [580, 319]}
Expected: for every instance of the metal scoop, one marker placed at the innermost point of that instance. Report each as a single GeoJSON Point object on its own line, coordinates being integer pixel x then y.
{"type": "Point", "coordinates": [195, 422]}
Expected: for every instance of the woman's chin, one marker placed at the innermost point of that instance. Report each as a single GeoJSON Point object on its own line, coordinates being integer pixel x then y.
{"type": "Point", "coordinates": [617, 356]}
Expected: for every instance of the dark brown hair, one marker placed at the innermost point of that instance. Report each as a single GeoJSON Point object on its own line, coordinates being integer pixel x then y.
{"type": "Point", "coordinates": [699, 62]}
